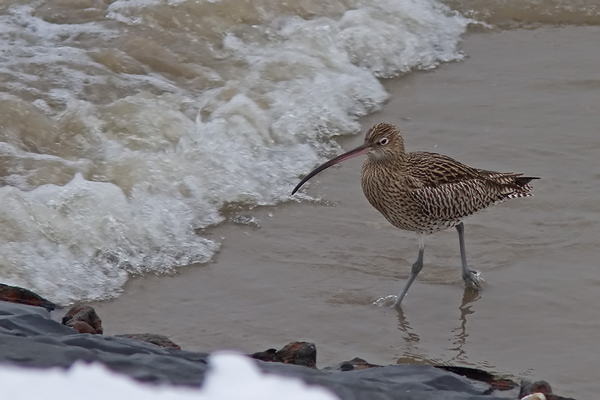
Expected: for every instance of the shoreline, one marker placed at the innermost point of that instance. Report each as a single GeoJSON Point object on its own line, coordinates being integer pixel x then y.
{"type": "Point", "coordinates": [34, 347]}
{"type": "Point", "coordinates": [311, 271]}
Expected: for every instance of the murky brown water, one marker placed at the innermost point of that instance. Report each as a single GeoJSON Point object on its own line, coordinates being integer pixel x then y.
{"type": "Point", "coordinates": [525, 101]}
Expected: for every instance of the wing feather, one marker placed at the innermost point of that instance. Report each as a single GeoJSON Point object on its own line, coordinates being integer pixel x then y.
{"type": "Point", "coordinates": [447, 190]}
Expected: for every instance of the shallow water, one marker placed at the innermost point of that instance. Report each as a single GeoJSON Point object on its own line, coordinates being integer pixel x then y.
{"type": "Point", "coordinates": [525, 101]}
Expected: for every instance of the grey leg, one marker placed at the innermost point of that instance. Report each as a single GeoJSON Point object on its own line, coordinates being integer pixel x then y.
{"type": "Point", "coordinates": [470, 278]}
{"type": "Point", "coordinates": [416, 268]}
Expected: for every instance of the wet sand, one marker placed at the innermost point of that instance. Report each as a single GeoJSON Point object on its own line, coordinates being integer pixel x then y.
{"type": "Point", "coordinates": [524, 101]}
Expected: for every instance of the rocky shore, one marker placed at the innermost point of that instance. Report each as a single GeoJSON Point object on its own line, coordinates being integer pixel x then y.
{"type": "Point", "coordinates": [30, 337]}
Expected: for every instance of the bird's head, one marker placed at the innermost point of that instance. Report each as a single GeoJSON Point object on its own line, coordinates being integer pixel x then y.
{"type": "Point", "coordinates": [383, 141]}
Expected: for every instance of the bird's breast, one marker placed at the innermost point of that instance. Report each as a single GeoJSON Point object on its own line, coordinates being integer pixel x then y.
{"type": "Point", "coordinates": [388, 191]}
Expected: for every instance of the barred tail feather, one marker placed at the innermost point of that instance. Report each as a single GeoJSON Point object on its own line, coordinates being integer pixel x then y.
{"type": "Point", "coordinates": [524, 190]}
{"type": "Point", "coordinates": [524, 180]}
{"type": "Point", "coordinates": [516, 195]}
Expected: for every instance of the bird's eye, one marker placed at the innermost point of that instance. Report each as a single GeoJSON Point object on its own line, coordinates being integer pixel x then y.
{"type": "Point", "coordinates": [383, 141]}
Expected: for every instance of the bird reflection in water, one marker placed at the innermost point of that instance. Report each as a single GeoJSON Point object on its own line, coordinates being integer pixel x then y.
{"type": "Point", "coordinates": [413, 354]}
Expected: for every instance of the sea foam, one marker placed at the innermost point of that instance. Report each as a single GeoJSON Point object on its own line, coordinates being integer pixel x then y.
{"type": "Point", "coordinates": [130, 128]}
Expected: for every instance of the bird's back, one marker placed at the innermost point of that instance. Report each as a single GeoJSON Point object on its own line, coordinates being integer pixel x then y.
{"type": "Point", "coordinates": [427, 192]}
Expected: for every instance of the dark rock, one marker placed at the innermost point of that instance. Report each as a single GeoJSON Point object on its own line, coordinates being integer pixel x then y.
{"type": "Point", "coordinates": [267, 355]}
{"type": "Point", "coordinates": [159, 340]}
{"type": "Point", "coordinates": [528, 388]}
{"type": "Point", "coordinates": [497, 383]}
{"type": "Point", "coordinates": [81, 327]}
{"type": "Point", "coordinates": [392, 382]}
{"type": "Point", "coordinates": [84, 320]}
{"type": "Point", "coordinates": [30, 338]}
{"type": "Point", "coordinates": [15, 294]}
{"type": "Point", "coordinates": [356, 364]}
{"type": "Point", "coordinates": [297, 353]}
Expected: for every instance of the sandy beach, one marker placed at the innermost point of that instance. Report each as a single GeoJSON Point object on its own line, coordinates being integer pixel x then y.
{"type": "Point", "coordinates": [524, 101]}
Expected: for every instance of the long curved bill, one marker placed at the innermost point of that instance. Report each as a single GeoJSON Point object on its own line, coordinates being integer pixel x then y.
{"type": "Point", "coordinates": [360, 150]}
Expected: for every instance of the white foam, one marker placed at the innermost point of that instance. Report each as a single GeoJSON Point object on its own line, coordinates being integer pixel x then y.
{"type": "Point", "coordinates": [234, 376]}
{"type": "Point", "coordinates": [111, 173]}
{"type": "Point", "coordinates": [231, 377]}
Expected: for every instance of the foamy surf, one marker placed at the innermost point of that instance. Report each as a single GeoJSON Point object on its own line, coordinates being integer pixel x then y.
{"type": "Point", "coordinates": [231, 376]}
{"type": "Point", "coordinates": [128, 129]}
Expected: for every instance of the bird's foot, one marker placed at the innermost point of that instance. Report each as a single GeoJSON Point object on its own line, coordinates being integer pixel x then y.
{"type": "Point", "coordinates": [473, 280]}
{"type": "Point", "coordinates": [387, 301]}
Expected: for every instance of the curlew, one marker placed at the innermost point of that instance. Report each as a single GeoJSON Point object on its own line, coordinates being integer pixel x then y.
{"type": "Point", "coordinates": [426, 192]}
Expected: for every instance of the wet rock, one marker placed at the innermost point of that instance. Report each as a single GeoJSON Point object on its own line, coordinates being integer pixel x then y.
{"type": "Point", "coordinates": [497, 382]}
{"type": "Point", "coordinates": [159, 340]}
{"type": "Point", "coordinates": [82, 327]}
{"type": "Point", "coordinates": [297, 353]}
{"type": "Point", "coordinates": [84, 320]}
{"type": "Point", "coordinates": [30, 338]}
{"type": "Point", "coordinates": [539, 387]}
{"type": "Point", "coordinates": [356, 364]}
{"type": "Point", "coordinates": [15, 294]}
{"type": "Point", "coordinates": [267, 355]}
{"type": "Point", "coordinates": [534, 387]}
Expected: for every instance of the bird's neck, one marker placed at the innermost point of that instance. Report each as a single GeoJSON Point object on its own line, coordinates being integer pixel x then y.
{"type": "Point", "coordinates": [391, 161]}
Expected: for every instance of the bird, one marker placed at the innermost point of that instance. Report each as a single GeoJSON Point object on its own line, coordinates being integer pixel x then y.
{"type": "Point", "coordinates": [426, 192]}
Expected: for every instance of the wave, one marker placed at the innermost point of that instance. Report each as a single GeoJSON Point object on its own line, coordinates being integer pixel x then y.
{"type": "Point", "coordinates": [130, 126]}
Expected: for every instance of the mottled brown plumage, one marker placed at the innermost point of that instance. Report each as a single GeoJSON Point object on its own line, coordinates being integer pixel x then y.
{"type": "Point", "coordinates": [426, 192]}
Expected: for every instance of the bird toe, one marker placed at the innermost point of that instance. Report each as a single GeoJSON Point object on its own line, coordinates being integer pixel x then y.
{"type": "Point", "coordinates": [473, 280]}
